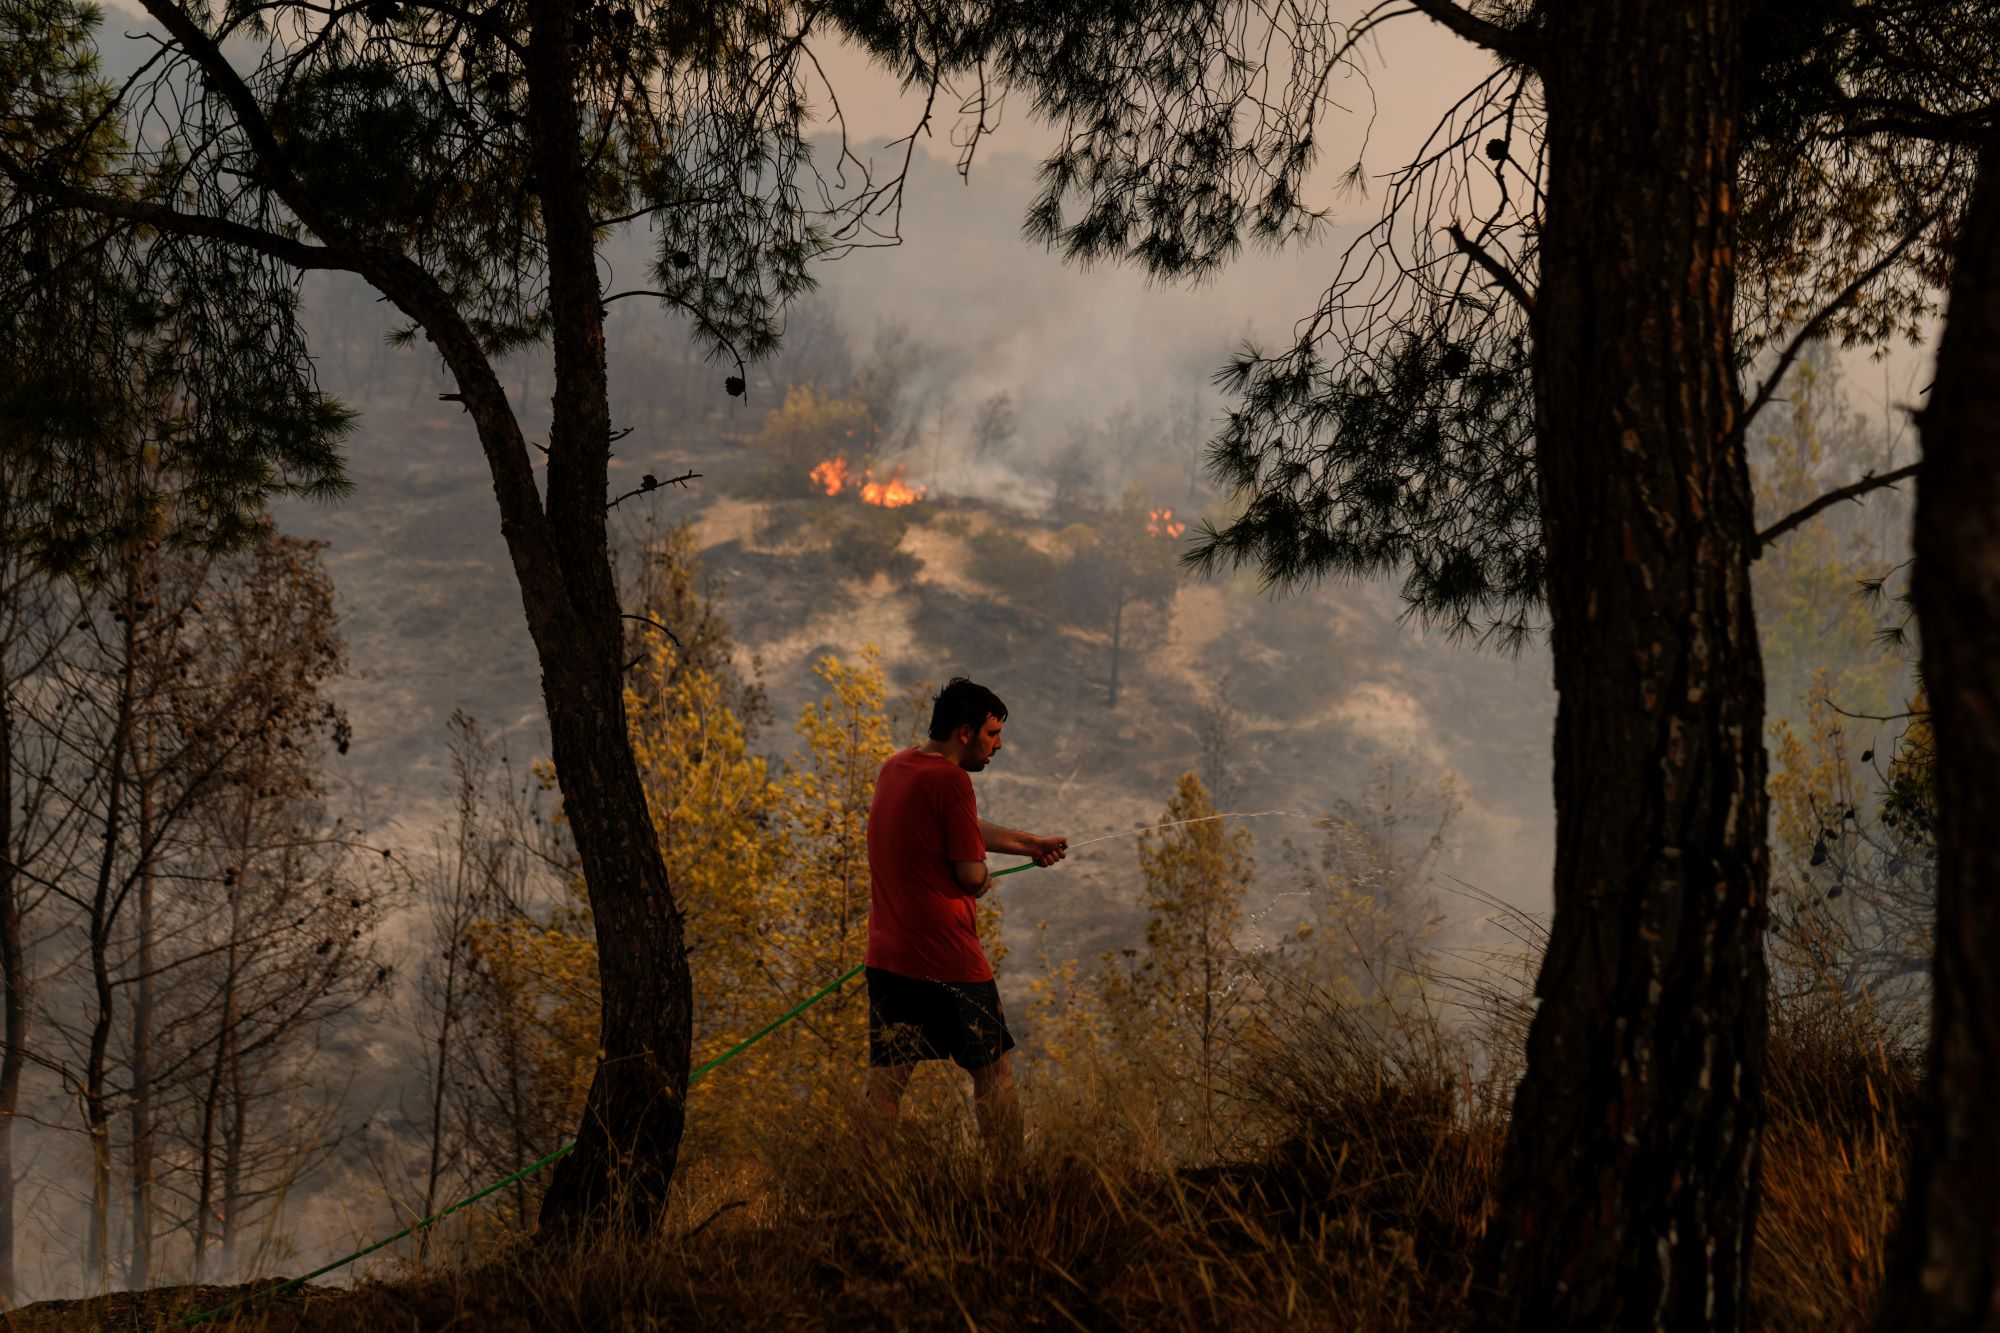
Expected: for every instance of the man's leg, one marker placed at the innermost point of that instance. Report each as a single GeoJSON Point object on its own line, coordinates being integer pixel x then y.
{"type": "Point", "coordinates": [882, 1092]}
{"type": "Point", "coordinates": [998, 1107]}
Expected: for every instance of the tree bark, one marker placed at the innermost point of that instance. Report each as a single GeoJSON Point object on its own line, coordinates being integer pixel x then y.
{"type": "Point", "coordinates": [629, 1141]}
{"type": "Point", "coordinates": [1628, 1183]}
{"type": "Point", "coordinates": [1944, 1270]}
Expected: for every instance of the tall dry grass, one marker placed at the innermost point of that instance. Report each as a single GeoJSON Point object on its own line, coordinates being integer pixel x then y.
{"type": "Point", "coordinates": [1840, 1097]}
{"type": "Point", "coordinates": [1358, 1200]}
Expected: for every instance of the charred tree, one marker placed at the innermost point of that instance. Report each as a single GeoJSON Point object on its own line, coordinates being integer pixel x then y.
{"type": "Point", "coordinates": [1944, 1270]}
{"type": "Point", "coordinates": [1627, 1186]}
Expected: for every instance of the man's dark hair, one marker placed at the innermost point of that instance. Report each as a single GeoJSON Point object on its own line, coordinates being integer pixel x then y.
{"type": "Point", "coordinates": [963, 704]}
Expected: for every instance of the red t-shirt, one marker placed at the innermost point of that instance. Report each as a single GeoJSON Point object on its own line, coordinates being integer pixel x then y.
{"type": "Point", "coordinates": [921, 923]}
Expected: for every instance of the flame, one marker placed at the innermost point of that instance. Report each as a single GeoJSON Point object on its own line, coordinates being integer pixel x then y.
{"type": "Point", "coordinates": [891, 494]}
{"type": "Point", "coordinates": [1160, 523]}
{"type": "Point", "coordinates": [830, 476]}
{"type": "Point", "coordinates": [833, 475]}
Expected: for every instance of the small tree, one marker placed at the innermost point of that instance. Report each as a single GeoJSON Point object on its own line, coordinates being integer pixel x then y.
{"type": "Point", "coordinates": [267, 919]}
{"type": "Point", "coordinates": [819, 904]}
{"type": "Point", "coordinates": [1119, 575]}
{"type": "Point", "coordinates": [1368, 883]}
{"type": "Point", "coordinates": [994, 427]}
{"type": "Point", "coordinates": [507, 990]}
{"type": "Point", "coordinates": [1184, 994]}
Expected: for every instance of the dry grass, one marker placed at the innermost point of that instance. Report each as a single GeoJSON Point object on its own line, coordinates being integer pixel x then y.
{"type": "Point", "coordinates": [1361, 1207]}
{"type": "Point", "coordinates": [1841, 1104]}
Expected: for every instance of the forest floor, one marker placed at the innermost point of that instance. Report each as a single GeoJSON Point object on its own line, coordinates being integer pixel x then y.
{"type": "Point", "coordinates": [1367, 1214]}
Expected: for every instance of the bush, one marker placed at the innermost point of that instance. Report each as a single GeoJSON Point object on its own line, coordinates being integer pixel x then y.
{"type": "Point", "coordinates": [1012, 566]}
{"type": "Point", "coordinates": [866, 541]}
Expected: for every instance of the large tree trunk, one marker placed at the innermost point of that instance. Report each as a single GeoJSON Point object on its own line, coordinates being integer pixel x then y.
{"type": "Point", "coordinates": [1628, 1183]}
{"type": "Point", "coordinates": [1944, 1270]}
{"type": "Point", "coordinates": [629, 1141]}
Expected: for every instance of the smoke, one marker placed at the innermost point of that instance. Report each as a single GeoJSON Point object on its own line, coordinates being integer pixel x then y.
{"type": "Point", "coordinates": [1010, 360]}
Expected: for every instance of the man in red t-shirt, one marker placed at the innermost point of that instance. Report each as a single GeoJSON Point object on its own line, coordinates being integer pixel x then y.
{"type": "Point", "coordinates": [931, 994]}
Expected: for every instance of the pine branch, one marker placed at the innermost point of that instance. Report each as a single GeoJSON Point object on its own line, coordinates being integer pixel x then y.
{"type": "Point", "coordinates": [1853, 490]}
{"type": "Point", "coordinates": [1500, 273]}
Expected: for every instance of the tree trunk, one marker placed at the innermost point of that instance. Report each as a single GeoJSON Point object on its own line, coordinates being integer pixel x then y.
{"type": "Point", "coordinates": [140, 1274]}
{"type": "Point", "coordinates": [103, 916]}
{"type": "Point", "coordinates": [1944, 1270]}
{"type": "Point", "coordinates": [14, 978]}
{"type": "Point", "coordinates": [1628, 1183]}
{"type": "Point", "coordinates": [448, 1004]}
{"type": "Point", "coordinates": [629, 1141]}
{"type": "Point", "coordinates": [1117, 647]}
{"type": "Point", "coordinates": [211, 1105]}
{"type": "Point", "coordinates": [206, 1215]}
{"type": "Point", "coordinates": [233, 1138]}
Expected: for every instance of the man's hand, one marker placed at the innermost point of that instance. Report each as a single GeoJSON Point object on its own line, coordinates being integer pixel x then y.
{"type": "Point", "coordinates": [1048, 851]}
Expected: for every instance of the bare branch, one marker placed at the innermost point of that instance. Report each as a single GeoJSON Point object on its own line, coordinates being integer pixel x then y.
{"type": "Point", "coordinates": [650, 483]}
{"type": "Point", "coordinates": [701, 322]}
{"type": "Point", "coordinates": [1506, 43]}
{"type": "Point", "coordinates": [672, 637]}
{"type": "Point", "coordinates": [1853, 490]}
{"type": "Point", "coordinates": [1499, 272]}
{"type": "Point", "coordinates": [1811, 328]}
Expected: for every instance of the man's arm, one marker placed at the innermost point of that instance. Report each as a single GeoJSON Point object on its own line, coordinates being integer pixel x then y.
{"type": "Point", "coordinates": [1013, 842]}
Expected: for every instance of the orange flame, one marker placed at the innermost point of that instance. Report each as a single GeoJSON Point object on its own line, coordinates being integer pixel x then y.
{"type": "Point", "coordinates": [830, 476]}
{"type": "Point", "coordinates": [891, 494]}
{"type": "Point", "coordinates": [1160, 523]}
{"type": "Point", "coordinates": [833, 475]}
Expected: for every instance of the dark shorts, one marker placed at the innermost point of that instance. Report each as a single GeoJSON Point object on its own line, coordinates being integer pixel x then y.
{"type": "Point", "coordinates": [911, 1020]}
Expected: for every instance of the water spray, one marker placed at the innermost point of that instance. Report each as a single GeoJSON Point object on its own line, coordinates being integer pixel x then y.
{"type": "Point", "coordinates": [1155, 828]}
